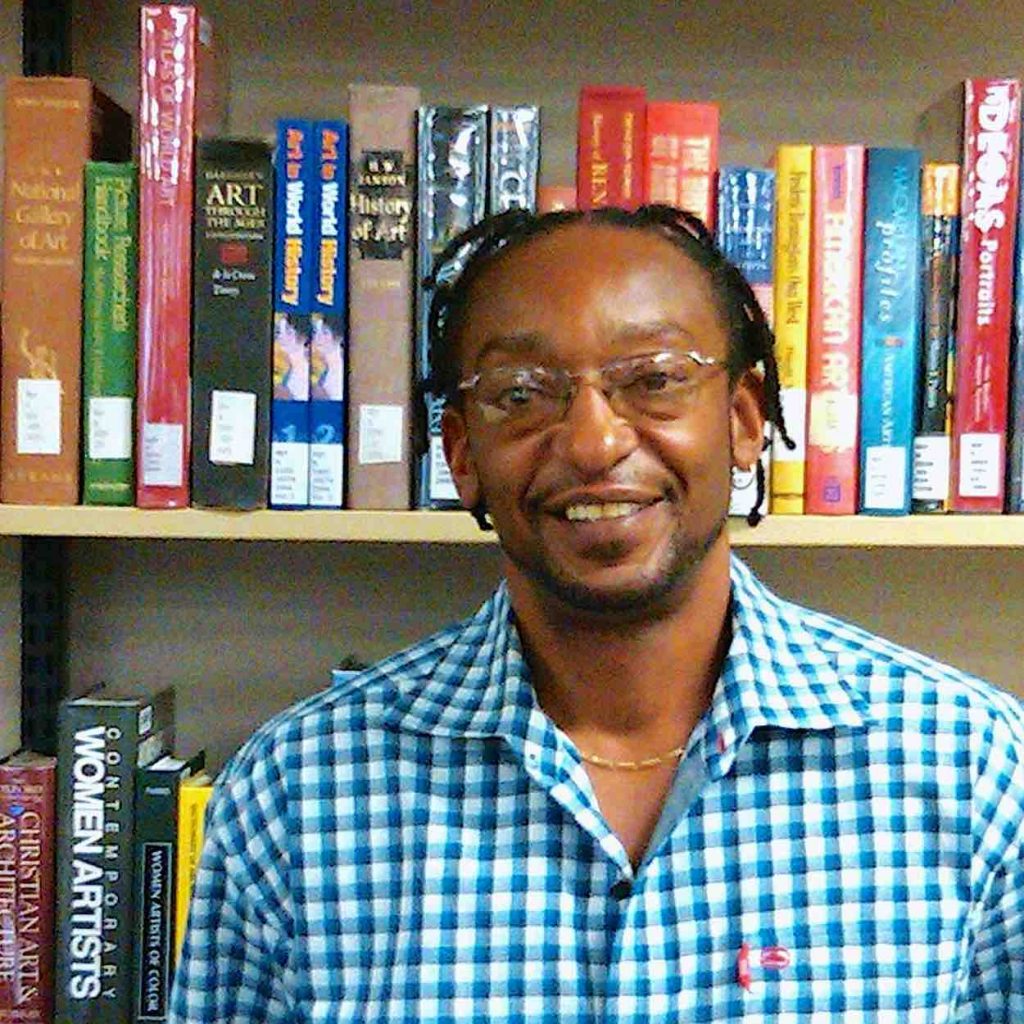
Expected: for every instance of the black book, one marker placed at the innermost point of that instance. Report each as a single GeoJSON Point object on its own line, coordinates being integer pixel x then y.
{"type": "Point", "coordinates": [232, 289]}
{"type": "Point", "coordinates": [102, 738]}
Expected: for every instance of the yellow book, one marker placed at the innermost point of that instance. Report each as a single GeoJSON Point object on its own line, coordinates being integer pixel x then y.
{"type": "Point", "coordinates": [792, 280]}
{"type": "Point", "coordinates": [193, 795]}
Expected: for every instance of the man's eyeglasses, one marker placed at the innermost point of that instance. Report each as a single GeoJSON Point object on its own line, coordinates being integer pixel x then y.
{"type": "Point", "coordinates": [653, 386]}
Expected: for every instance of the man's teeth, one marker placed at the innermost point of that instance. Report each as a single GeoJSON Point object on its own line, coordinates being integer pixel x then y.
{"type": "Point", "coordinates": [610, 510]}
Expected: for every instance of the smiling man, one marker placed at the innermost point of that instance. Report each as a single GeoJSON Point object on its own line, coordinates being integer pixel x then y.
{"type": "Point", "coordinates": [636, 785]}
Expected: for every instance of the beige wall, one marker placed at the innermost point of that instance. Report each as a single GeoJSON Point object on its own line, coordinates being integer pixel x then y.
{"type": "Point", "coordinates": [243, 629]}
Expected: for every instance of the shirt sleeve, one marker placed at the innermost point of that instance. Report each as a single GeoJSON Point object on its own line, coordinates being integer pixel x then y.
{"type": "Point", "coordinates": [994, 992]}
{"type": "Point", "coordinates": [234, 963]}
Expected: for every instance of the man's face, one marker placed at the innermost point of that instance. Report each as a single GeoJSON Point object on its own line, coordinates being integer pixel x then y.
{"type": "Point", "coordinates": [654, 493]}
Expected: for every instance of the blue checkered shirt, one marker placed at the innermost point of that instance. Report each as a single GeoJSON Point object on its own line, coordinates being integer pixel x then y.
{"type": "Point", "coordinates": [843, 842]}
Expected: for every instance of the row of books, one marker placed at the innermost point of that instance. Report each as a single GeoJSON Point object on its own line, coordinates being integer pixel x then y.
{"type": "Point", "coordinates": [98, 849]}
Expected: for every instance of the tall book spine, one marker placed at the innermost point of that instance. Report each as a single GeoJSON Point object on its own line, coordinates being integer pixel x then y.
{"type": "Point", "coordinates": [611, 146]}
{"type": "Point", "coordinates": [834, 339]}
{"type": "Point", "coordinates": [1015, 439]}
{"type": "Point", "coordinates": [681, 168]}
{"type": "Point", "coordinates": [745, 229]}
{"type": "Point", "coordinates": [27, 842]}
{"type": "Point", "coordinates": [167, 122]}
{"type": "Point", "coordinates": [452, 196]}
{"type": "Point", "coordinates": [940, 240]}
{"type": "Point", "coordinates": [987, 224]}
{"type": "Point", "coordinates": [891, 329]}
{"type": "Point", "coordinates": [295, 187]}
{"type": "Point", "coordinates": [514, 158]}
{"type": "Point", "coordinates": [329, 322]}
{"type": "Point", "coordinates": [156, 841]}
{"type": "Point", "coordinates": [193, 796]}
{"type": "Point", "coordinates": [382, 124]}
{"type": "Point", "coordinates": [109, 327]}
{"type": "Point", "coordinates": [231, 323]}
{"type": "Point", "coordinates": [52, 127]}
{"type": "Point", "coordinates": [793, 183]}
{"type": "Point", "coordinates": [100, 743]}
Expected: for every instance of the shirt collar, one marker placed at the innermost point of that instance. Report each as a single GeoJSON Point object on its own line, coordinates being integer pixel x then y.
{"type": "Point", "coordinates": [776, 674]}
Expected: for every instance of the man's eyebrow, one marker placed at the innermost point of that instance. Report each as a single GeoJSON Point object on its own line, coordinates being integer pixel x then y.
{"type": "Point", "coordinates": [522, 342]}
{"type": "Point", "coordinates": [651, 329]}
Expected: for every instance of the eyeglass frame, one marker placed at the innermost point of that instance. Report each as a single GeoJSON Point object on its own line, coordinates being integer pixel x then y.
{"type": "Point", "coordinates": [597, 375]}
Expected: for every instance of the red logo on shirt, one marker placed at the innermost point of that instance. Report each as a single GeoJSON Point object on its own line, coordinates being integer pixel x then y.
{"type": "Point", "coordinates": [769, 958]}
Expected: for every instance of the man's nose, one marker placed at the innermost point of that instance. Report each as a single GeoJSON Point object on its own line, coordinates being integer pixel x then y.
{"type": "Point", "coordinates": [592, 436]}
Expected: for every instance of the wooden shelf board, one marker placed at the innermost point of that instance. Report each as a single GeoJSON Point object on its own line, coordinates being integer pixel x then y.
{"type": "Point", "coordinates": [459, 528]}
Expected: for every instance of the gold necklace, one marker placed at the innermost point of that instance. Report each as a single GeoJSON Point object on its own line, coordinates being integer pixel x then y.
{"type": "Point", "coordinates": [632, 766]}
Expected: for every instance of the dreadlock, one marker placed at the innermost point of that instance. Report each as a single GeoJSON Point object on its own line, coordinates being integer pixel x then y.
{"type": "Point", "coordinates": [457, 268]}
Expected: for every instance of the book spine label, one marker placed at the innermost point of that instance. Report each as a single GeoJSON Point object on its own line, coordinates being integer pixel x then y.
{"type": "Point", "coordinates": [382, 190]}
{"type": "Point", "coordinates": [231, 339]}
{"type": "Point", "coordinates": [295, 162]}
{"type": "Point", "coordinates": [166, 147]}
{"type": "Point", "coordinates": [834, 341]}
{"type": "Point", "coordinates": [987, 224]}
{"type": "Point", "coordinates": [109, 326]}
{"type": "Point", "coordinates": [611, 147]}
{"type": "Point", "coordinates": [940, 237]}
{"type": "Point", "coordinates": [52, 127]}
{"type": "Point", "coordinates": [1015, 429]}
{"type": "Point", "coordinates": [682, 157]}
{"type": "Point", "coordinates": [514, 158]}
{"type": "Point", "coordinates": [792, 304]}
{"type": "Point", "coordinates": [329, 322]}
{"type": "Point", "coordinates": [891, 328]}
{"type": "Point", "coordinates": [745, 227]}
{"type": "Point", "coordinates": [27, 841]}
{"type": "Point", "coordinates": [452, 145]}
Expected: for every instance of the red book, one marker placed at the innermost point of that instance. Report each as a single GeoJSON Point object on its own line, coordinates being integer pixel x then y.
{"type": "Point", "coordinates": [176, 89]}
{"type": "Point", "coordinates": [551, 198]}
{"type": "Point", "coordinates": [833, 351]}
{"type": "Point", "coordinates": [610, 154]}
{"type": "Point", "coordinates": [985, 305]}
{"type": "Point", "coordinates": [27, 794]}
{"type": "Point", "coordinates": [682, 157]}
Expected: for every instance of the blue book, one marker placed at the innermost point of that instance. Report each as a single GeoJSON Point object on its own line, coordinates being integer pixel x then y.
{"type": "Point", "coordinates": [891, 333]}
{"type": "Point", "coordinates": [294, 191]}
{"type": "Point", "coordinates": [452, 196]}
{"type": "Point", "coordinates": [746, 235]}
{"type": "Point", "coordinates": [328, 323]}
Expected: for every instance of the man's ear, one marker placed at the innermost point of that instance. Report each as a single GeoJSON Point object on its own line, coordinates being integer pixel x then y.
{"type": "Point", "coordinates": [455, 438]}
{"type": "Point", "coordinates": [746, 419]}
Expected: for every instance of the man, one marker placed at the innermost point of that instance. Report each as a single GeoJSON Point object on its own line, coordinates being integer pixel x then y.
{"type": "Point", "coordinates": [636, 786]}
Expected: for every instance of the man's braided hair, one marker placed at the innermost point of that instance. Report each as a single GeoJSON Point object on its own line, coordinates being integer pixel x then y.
{"type": "Point", "coordinates": [456, 269]}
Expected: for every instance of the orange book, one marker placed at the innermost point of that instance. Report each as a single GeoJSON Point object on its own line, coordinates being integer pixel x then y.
{"type": "Point", "coordinates": [556, 197]}
{"type": "Point", "coordinates": [834, 343]}
{"type": "Point", "coordinates": [682, 157]}
{"type": "Point", "coordinates": [52, 126]}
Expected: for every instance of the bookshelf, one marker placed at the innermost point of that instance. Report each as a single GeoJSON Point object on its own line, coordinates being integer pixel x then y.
{"type": "Point", "coordinates": [247, 612]}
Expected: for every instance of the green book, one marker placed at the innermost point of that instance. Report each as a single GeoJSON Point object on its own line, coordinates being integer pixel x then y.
{"type": "Point", "coordinates": [109, 319]}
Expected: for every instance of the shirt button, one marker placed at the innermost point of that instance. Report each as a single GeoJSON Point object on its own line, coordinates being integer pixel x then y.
{"type": "Point", "coordinates": [531, 753]}
{"type": "Point", "coordinates": [621, 890]}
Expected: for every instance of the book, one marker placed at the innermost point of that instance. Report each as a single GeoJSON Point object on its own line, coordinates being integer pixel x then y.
{"type": "Point", "coordinates": [1015, 428]}
{"type": "Point", "coordinates": [176, 103]}
{"type": "Point", "coordinates": [329, 320]}
{"type": "Point", "coordinates": [193, 796]}
{"type": "Point", "coordinates": [514, 156]}
{"type": "Point", "coordinates": [834, 335]}
{"type": "Point", "coordinates": [382, 137]}
{"type": "Point", "coordinates": [979, 123]}
{"type": "Point", "coordinates": [231, 323]}
{"type": "Point", "coordinates": [940, 234]}
{"type": "Point", "coordinates": [156, 842]}
{"type": "Point", "coordinates": [451, 197]}
{"type": "Point", "coordinates": [681, 166]}
{"type": "Point", "coordinates": [102, 738]}
{"type": "Point", "coordinates": [792, 290]}
{"type": "Point", "coordinates": [745, 232]}
{"type": "Point", "coordinates": [552, 198]}
{"type": "Point", "coordinates": [52, 126]}
{"type": "Point", "coordinates": [891, 329]}
{"type": "Point", "coordinates": [27, 859]}
{"type": "Point", "coordinates": [109, 324]}
{"type": "Point", "coordinates": [611, 147]}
